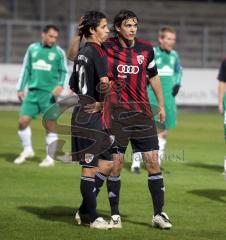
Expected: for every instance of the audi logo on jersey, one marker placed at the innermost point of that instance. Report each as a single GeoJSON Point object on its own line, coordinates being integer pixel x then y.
{"type": "Point", "coordinates": [127, 69]}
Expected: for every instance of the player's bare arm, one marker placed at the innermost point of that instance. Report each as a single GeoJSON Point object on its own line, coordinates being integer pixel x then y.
{"type": "Point", "coordinates": [74, 47]}
{"type": "Point", "coordinates": [157, 88]}
{"type": "Point", "coordinates": [75, 42]}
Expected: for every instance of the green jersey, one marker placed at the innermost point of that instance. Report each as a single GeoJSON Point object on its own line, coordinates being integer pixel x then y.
{"type": "Point", "coordinates": [169, 69]}
{"type": "Point", "coordinates": [44, 68]}
{"type": "Point", "coordinates": [170, 73]}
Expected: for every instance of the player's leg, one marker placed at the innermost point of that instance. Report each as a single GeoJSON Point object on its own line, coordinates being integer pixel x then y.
{"type": "Point", "coordinates": [28, 111]}
{"type": "Point", "coordinates": [87, 188]}
{"type": "Point", "coordinates": [89, 163]}
{"type": "Point", "coordinates": [156, 188]}
{"type": "Point", "coordinates": [136, 162]}
{"type": "Point", "coordinates": [149, 147]}
{"type": "Point", "coordinates": [88, 192]}
{"type": "Point", "coordinates": [46, 100]}
{"type": "Point", "coordinates": [104, 169]}
{"type": "Point", "coordinates": [170, 122]}
{"type": "Point", "coordinates": [113, 188]}
{"type": "Point", "coordinates": [24, 134]}
{"type": "Point", "coordinates": [162, 138]}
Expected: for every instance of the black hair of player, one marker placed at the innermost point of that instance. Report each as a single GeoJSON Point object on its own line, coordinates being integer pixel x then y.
{"type": "Point", "coordinates": [50, 26]}
{"type": "Point", "coordinates": [120, 17]}
{"type": "Point", "coordinates": [91, 20]}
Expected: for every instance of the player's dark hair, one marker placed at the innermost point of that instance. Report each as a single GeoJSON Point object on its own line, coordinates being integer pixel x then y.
{"type": "Point", "coordinates": [120, 17]}
{"type": "Point", "coordinates": [91, 20]}
{"type": "Point", "coordinates": [50, 26]}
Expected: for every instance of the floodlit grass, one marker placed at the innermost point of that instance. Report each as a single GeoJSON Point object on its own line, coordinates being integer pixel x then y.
{"type": "Point", "coordinates": [39, 203]}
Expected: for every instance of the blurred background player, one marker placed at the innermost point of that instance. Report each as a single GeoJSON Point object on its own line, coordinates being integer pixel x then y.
{"type": "Point", "coordinates": [170, 72]}
{"type": "Point", "coordinates": [90, 70]}
{"type": "Point", "coordinates": [44, 72]}
{"type": "Point", "coordinates": [222, 98]}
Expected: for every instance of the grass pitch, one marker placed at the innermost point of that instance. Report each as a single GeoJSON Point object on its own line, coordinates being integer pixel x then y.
{"type": "Point", "coordinates": [39, 203]}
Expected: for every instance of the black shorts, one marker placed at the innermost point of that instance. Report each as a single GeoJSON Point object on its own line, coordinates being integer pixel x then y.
{"type": "Point", "coordinates": [89, 142]}
{"type": "Point", "coordinates": [136, 127]}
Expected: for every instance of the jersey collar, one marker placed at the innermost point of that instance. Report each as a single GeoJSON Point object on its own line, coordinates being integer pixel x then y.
{"type": "Point", "coordinates": [164, 50]}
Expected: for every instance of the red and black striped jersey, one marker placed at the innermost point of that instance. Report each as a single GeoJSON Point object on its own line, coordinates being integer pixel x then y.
{"type": "Point", "coordinates": [129, 68]}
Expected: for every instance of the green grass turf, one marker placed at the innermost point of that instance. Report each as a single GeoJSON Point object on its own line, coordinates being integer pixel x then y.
{"type": "Point", "coordinates": [39, 203]}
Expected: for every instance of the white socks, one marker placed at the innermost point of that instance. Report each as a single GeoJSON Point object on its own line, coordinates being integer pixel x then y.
{"type": "Point", "coordinates": [25, 137]}
{"type": "Point", "coordinates": [137, 158]}
{"type": "Point", "coordinates": [162, 143]}
{"type": "Point", "coordinates": [51, 148]}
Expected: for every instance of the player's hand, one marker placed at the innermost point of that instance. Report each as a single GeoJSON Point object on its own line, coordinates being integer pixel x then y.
{"type": "Point", "coordinates": [94, 107]}
{"type": "Point", "coordinates": [161, 115]}
{"type": "Point", "coordinates": [80, 27]}
{"type": "Point", "coordinates": [57, 91]}
{"type": "Point", "coordinates": [221, 108]}
{"type": "Point", "coordinates": [20, 95]}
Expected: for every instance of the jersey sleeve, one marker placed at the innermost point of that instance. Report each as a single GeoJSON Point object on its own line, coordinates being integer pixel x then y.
{"type": "Point", "coordinates": [222, 72]}
{"type": "Point", "coordinates": [72, 83]}
{"type": "Point", "coordinates": [63, 69]}
{"type": "Point", "coordinates": [151, 66]}
{"type": "Point", "coordinates": [25, 72]}
{"type": "Point", "coordinates": [177, 72]}
{"type": "Point", "coordinates": [100, 62]}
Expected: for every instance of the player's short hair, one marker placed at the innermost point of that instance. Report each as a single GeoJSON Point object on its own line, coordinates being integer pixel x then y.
{"type": "Point", "coordinates": [91, 20]}
{"type": "Point", "coordinates": [50, 26]}
{"type": "Point", "coordinates": [120, 17]}
{"type": "Point", "coordinates": [163, 30]}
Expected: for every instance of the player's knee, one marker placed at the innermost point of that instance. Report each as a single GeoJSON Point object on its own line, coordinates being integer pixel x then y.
{"type": "Point", "coordinates": [117, 162]}
{"type": "Point", "coordinates": [22, 125]}
{"type": "Point", "coordinates": [23, 122]}
{"type": "Point", "coordinates": [151, 162]}
{"type": "Point", "coordinates": [163, 134]}
{"type": "Point", "coordinates": [105, 167]}
{"type": "Point", "coordinates": [116, 170]}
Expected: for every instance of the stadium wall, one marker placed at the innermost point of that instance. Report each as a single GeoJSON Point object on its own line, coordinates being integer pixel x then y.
{"type": "Point", "coordinates": [199, 86]}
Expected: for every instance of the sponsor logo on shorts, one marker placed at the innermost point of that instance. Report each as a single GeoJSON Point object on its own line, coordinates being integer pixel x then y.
{"type": "Point", "coordinates": [89, 157]}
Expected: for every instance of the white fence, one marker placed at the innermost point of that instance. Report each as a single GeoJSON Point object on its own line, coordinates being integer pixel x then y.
{"type": "Point", "coordinates": [199, 86]}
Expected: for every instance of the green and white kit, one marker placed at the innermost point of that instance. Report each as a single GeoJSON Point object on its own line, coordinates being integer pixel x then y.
{"type": "Point", "coordinates": [170, 73]}
{"type": "Point", "coordinates": [44, 68]}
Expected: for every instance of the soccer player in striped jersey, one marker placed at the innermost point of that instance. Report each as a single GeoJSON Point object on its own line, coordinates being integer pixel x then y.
{"type": "Point", "coordinates": [170, 72]}
{"type": "Point", "coordinates": [130, 61]}
{"type": "Point", "coordinates": [44, 72]}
